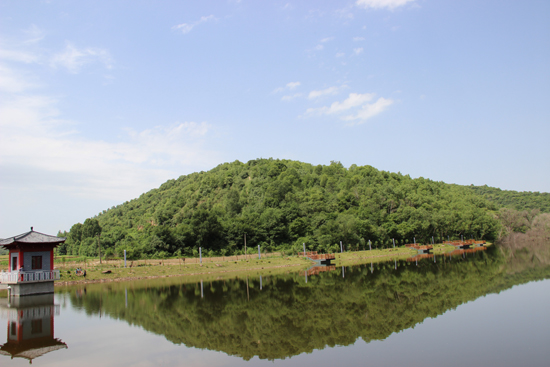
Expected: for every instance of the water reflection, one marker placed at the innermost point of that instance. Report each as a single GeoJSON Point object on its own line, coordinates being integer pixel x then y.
{"type": "Point", "coordinates": [455, 253]}
{"type": "Point", "coordinates": [30, 326]}
{"type": "Point", "coordinates": [274, 317]}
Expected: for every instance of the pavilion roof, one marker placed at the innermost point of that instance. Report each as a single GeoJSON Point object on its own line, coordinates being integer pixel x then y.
{"type": "Point", "coordinates": [32, 237]}
{"type": "Point", "coordinates": [31, 349]}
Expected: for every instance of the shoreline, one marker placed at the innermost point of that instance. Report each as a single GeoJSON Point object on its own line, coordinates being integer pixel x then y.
{"type": "Point", "coordinates": [342, 259]}
{"type": "Point", "coordinates": [113, 272]}
{"type": "Point", "coordinates": [61, 283]}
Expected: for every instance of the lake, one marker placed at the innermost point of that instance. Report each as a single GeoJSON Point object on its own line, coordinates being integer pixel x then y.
{"type": "Point", "coordinates": [477, 309]}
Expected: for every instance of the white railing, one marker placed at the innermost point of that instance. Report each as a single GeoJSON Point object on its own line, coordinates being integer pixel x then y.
{"type": "Point", "coordinates": [32, 313]}
{"type": "Point", "coordinates": [29, 276]}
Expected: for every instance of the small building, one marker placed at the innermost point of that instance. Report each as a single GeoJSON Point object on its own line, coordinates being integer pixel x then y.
{"type": "Point", "coordinates": [31, 269]}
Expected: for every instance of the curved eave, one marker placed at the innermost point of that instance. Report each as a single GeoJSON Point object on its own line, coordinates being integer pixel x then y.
{"type": "Point", "coordinates": [32, 238]}
{"type": "Point", "coordinates": [17, 244]}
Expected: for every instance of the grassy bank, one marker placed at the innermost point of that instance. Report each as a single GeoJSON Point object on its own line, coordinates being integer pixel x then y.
{"type": "Point", "coordinates": [158, 268]}
{"type": "Point", "coordinates": [114, 270]}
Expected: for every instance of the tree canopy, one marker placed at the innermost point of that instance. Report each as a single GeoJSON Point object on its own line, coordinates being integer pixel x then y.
{"type": "Point", "coordinates": [281, 204]}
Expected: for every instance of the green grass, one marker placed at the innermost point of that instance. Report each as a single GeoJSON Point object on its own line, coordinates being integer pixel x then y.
{"type": "Point", "coordinates": [157, 269]}
{"type": "Point", "coordinates": [143, 269]}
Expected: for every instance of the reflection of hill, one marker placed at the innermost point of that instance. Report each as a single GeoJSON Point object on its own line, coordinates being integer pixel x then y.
{"type": "Point", "coordinates": [288, 317]}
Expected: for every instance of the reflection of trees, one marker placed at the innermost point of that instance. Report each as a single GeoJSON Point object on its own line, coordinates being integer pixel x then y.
{"type": "Point", "coordinates": [531, 247]}
{"type": "Point", "coordinates": [288, 316]}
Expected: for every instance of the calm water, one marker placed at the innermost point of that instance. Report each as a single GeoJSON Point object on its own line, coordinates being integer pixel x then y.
{"type": "Point", "coordinates": [476, 309]}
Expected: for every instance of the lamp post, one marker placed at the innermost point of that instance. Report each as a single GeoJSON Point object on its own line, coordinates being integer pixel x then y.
{"type": "Point", "coordinates": [245, 245]}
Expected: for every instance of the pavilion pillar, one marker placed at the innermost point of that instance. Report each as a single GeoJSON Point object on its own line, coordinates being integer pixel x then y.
{"type": "Point", "coordinates": [21, 259]}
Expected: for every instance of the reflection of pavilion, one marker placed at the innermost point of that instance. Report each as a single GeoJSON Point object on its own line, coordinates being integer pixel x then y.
{"type": "Point", "coordinates": [30, 326]}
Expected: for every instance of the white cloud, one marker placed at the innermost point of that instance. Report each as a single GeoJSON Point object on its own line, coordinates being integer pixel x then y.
{"type": "Point", "coordinates": [380, 4]}
{"type": "Point", "coordinates": [353, 100]}
{"type": "Point", "coordinates": [351, 104]}
{"type": "Point", "coordinates": [345, 13]}
{"type": "Point", "coordinates": [358, 50]}
{"type": "Point", "coordinates": [18, 56]}
{"type": "Point", "coordinates": [38, 144]}
{"type": "Point", "coordinates": [327, 39]}
{"type": "Point", "coordinates": [340, 54]}
{"type": "Point", "coordinates": [293, 85]}
{"type": "Point", "coordinates": [325, 92]}
{"type": "Point", "coordinates": [73, 59]}
{"type": "Point", "coordinates": [12, 81]}
{"type": "Point", "coordinates": [291, 97]}
{"type": "Point", "coordinates": [369, 110]}
{"type": "Point", "coordinates": [187, 27]}
{"type": "Point", "coordinates": [289, 86]}
{"type": "Point", "coordinates": [34, 34]}
{"type": "Point", "coordinates": [319, 48]}
{"type": "Point", "coordinates": [358, 39]}
{"type": "Point", "coordinates": [36, 139]}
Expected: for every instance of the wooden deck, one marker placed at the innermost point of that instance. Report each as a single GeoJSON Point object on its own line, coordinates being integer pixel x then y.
{"type": "Point", "coordinates": [466, 244]}
{"type": "Point", "coordinates": [422, 249]}
{"type": "Point", "coordinates": [324, 259]}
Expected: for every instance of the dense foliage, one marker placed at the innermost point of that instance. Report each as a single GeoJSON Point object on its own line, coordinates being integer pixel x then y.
{"type": "Point", "coordinates": [289, 316]}
{"type": "Point", "coordinates": [281, 204]}
{"type": "Point", "coordinates": [518, 200]}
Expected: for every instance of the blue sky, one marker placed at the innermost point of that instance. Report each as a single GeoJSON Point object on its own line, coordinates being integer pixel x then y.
{"type": "Point", "coordinates": [101, 101]}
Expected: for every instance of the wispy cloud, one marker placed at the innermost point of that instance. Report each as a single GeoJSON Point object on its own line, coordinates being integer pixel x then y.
{"type": "Point", "coordinates": [288, 86]}
{"type": "Point", "coordinates": [187, 27]}
{"type": "Point", "coordinates": [291, 97]}
{"type": "Point", "coordinates": [73, 58]}
{"type": "Point", "coordinates": [35, 138]}
{"type": "Point", "coordinates": [340, 54]}
{"type": "Point", "coordinates": [288, 6]}
{"type": "Point", "coordinates": [34, 34]}
{"type": "Point", "coordinates": [37, 141]}
{"type": "Point", "coordinates": [325, 92]}
{"type": "Point", "coordinates": [345, 13]}
{"type": "Point", "coordinates": [353, 100]}
{"type": "Point", "coordinates": [358, 50]}
{"type": "Point", "coordinates": [369, 110]}
{"type": "Point", "coordinates": [381, 4]}
{"type": "Point", "coordinates": [18, 56]}
{"type": "Point", "coordinates": [358, 39]}
{"type": "Point", "coordinates": [357, 104]}
{"type": "Point", "coordinates": [12, 81]}
{"type": "Point", "coordinates": [328, 39]}
{"type": "Point", "coordinates": [293, 85]}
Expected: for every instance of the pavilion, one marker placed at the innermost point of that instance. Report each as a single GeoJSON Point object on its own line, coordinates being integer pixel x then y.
{"type": "Point", "coordinates": [31, 269]}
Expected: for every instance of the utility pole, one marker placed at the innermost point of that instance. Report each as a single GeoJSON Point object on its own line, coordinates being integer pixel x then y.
{"type": "Point", "coordinates": [245, 245]}
{"type": "Point", "coordinates": [99, 245]}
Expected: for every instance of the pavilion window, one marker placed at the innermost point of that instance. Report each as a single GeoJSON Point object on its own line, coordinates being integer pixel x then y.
{"type": "Point", "coordinates": [36, 326]}
{"type": "Point", "coordinates": [36, 262]}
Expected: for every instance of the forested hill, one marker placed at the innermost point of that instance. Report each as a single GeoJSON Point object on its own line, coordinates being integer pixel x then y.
{"type": "Point", "coordinates": [522, 200]}
{"type": "Point", "coordinates": [280, 204]}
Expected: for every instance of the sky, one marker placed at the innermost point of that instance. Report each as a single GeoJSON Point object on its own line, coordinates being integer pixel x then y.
{"type": "Point", "coordinates": [101, 101]}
